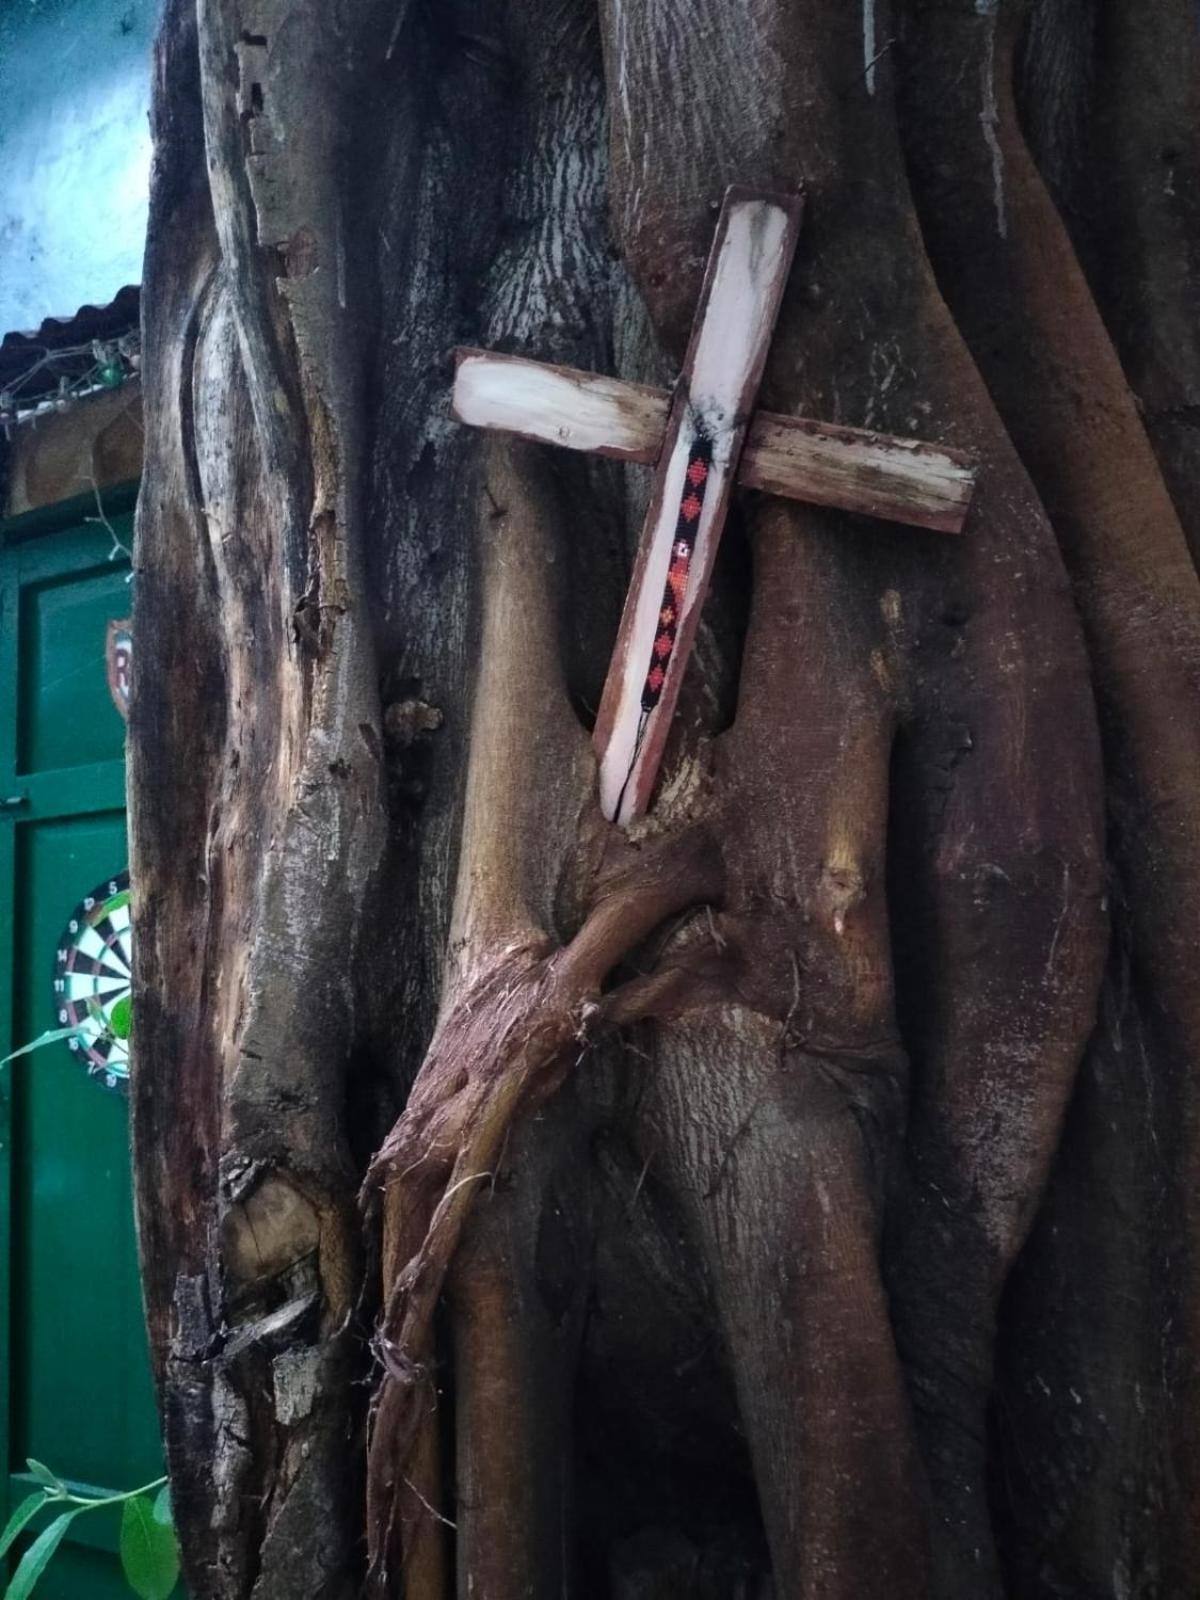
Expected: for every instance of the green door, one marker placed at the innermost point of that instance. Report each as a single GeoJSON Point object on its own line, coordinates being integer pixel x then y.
{"type": "Point", "coordinates": [75, 1390]}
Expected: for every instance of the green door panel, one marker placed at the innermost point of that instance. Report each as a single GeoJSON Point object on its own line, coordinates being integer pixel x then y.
{"type": "Point", "coordinates": [73, 1245]}
{"type": "Point", "coordinates": [75, 1390]}
{"type": "Point", "coordinates": [62, 620]}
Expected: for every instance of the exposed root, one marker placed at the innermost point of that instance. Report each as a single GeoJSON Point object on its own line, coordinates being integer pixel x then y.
{"type": "Point", "coordinates": [512, 1033]}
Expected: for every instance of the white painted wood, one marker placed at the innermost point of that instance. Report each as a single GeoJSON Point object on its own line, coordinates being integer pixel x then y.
{"type": "Point", "coordinates": [729, 345]}
{"type": "Point", "coordinates": [851, 469]}
{"type": "Point", "coordinates": [558, 405]}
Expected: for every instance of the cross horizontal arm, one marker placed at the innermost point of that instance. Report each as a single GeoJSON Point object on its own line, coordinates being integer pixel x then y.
{"type": "Point", "coordinates": [851, 469]}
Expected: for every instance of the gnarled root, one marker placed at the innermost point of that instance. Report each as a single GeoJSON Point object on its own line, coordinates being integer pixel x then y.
{"type": "Point", "coordinates": [518, 1023]}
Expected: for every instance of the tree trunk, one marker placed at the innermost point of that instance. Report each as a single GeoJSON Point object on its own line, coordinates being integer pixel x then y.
{"type": "Point", "coordinates": [794, 1194]}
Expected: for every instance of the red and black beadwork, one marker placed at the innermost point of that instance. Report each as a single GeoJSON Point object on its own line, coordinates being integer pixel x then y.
{"type": "Point", "coordinates": [691, 504]}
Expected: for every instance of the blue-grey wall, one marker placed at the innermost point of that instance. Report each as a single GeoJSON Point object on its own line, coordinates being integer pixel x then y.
{"type": "Point", "coordinates": [74, 153]}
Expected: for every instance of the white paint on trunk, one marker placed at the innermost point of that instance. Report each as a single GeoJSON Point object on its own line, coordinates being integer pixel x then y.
{"type": "Point", "coordinates": [989, 116]}
{"type": "Point", "coordinates": [869, 53]}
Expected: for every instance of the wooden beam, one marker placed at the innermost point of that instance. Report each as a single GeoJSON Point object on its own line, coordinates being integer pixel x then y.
{"type": "Point", "coordinates": [559, 405]}
{"type": "Point", "coordinates": [697, 465]}
{"type": "Point", "coordinates": [850, 469]}
{"type": "Point", "coordinates": [853, 469]}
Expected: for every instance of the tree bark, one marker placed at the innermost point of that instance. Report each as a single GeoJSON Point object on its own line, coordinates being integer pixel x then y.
{"type": "Point", "coordinates": [793, 1193]}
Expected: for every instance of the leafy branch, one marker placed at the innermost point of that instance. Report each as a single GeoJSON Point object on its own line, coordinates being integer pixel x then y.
{"type": "Point", "coordinates": [114, 1026]}
{"type": "Point", "coordinates": [148, 1547]}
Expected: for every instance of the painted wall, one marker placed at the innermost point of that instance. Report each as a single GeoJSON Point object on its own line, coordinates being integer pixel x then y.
{"type": "Point", "coordinates": [74, 153]}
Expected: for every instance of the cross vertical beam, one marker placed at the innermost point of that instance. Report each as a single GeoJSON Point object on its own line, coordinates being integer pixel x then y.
{"type": "Point", "coordinates": [706, 429]}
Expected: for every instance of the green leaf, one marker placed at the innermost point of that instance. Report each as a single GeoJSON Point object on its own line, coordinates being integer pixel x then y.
{"type": "Point", "coordinates": [37, 1558]}
{"type": "Point", "coordinates": [51, 1037]}
{"type": "Point", "coordinates": [28, 1508]}
{"type": "Point", "coordinates": [149, 1553]}
{"type": "Point", "coordinates": [120, 1017]}
{"type": "Point", "coordinates": [44, 1476]}
{"type": "Point", "coordinates": [162, 1507]}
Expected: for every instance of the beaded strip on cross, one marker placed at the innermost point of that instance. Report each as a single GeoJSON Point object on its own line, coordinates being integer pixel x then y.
{"type": "Point", "coordinates": [691, 504]}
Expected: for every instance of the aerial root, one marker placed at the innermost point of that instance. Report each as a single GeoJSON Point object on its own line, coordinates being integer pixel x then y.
{"type": "Point", "coordinates": [505, 1045]}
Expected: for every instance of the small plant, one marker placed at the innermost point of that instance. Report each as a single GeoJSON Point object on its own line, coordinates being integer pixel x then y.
{"type": "Point", "coordinates": [51, 1036]}
{"type": "Point", "coordinates": [149, 1551]}
{"type": "Point", "coordinates": [116, 1024]}
{"type": "Point", "coordinates": [148, 1548]}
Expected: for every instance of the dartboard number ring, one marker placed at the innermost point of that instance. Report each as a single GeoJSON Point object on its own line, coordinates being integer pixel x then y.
{"type": "Point", "coordinates": [92, 977]}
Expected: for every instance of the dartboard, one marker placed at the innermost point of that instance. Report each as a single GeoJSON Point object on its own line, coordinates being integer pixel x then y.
{"type": "Point", "coordinates": [92, 977]}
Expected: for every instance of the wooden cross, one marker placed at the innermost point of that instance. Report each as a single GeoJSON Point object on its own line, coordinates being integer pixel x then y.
{"type": "Point", "coordinates": [703, 437]}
